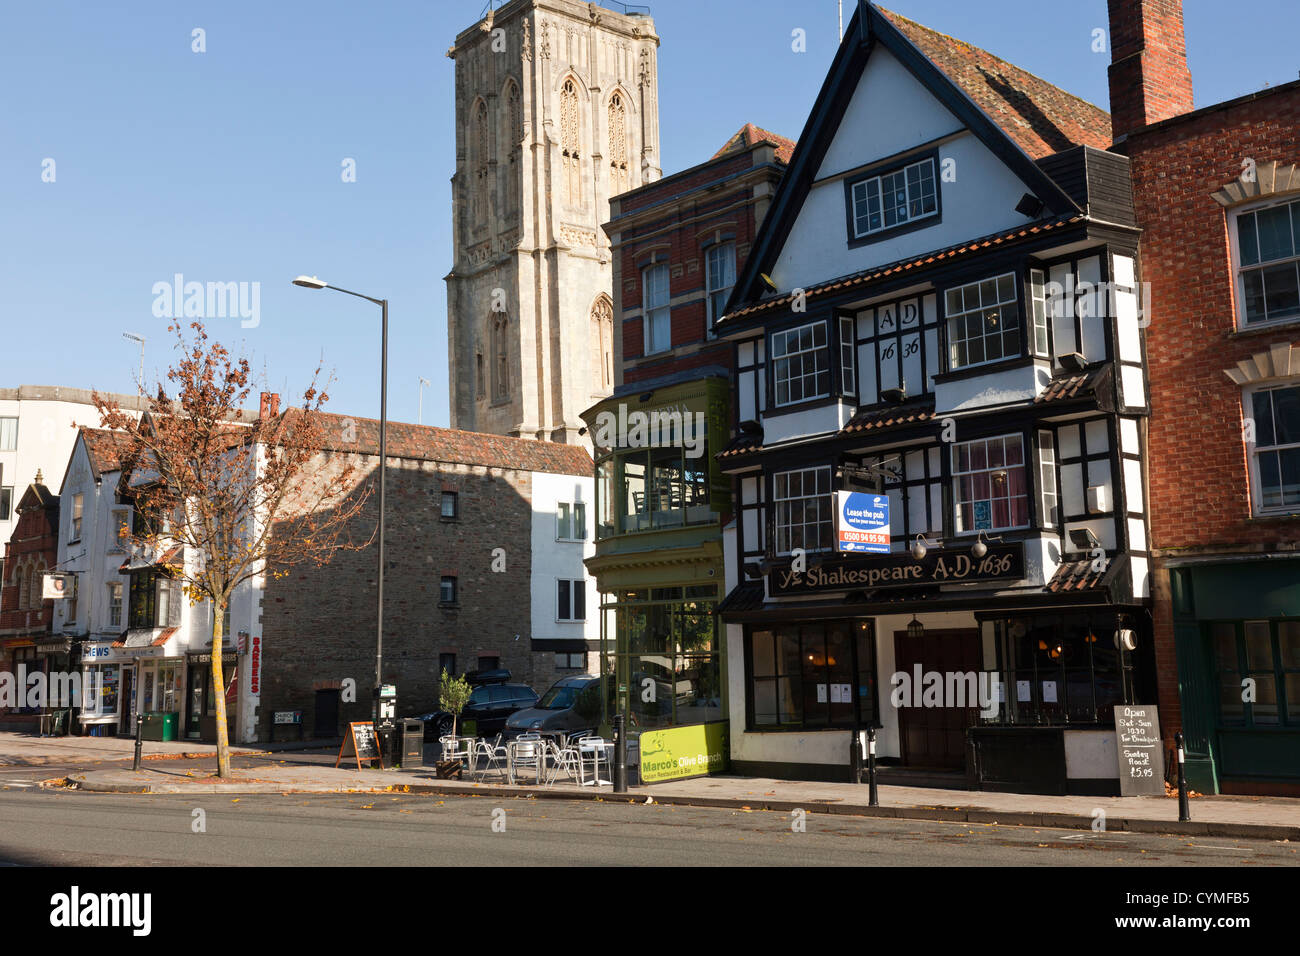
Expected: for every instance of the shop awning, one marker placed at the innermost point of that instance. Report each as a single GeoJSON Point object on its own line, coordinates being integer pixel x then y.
{"type": "Point", "coordinates": [147, 642]}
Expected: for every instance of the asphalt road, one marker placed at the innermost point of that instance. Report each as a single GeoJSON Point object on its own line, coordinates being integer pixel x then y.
{"type": "Point", "coordinates": [83, 829]}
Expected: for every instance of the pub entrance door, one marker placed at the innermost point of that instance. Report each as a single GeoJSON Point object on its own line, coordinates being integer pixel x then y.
{"type": "Point", "coordinates": [935, 737]}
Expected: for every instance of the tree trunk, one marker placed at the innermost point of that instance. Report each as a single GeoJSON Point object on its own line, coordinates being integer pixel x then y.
{"type": "Point", "coordinates": [219, 689]}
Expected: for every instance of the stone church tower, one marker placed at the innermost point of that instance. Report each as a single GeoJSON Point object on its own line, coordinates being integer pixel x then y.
{"type": "Point", "coordinates": [556, 110]}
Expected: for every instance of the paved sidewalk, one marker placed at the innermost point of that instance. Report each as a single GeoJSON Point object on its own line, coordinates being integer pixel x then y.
{"type": "Point", "coordinates": [1251, 817]}
{"type": "Point", "coordinates": [29, 750]}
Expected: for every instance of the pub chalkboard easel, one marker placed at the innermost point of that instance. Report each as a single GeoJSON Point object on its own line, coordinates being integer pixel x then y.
{"type": "Point", "coordinates": [365, 746]}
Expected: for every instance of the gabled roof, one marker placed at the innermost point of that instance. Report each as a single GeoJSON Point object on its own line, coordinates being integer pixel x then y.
{"type": "Point", "coordinates": [104, 449]}
{"type": "Point", "coordinates": [427, 443]}
{"type": "Point", "coordinates": [1041, 118]}
{"type": "Point", "coordinates": [750, 135]}
{"type": "Point", "coordinates": [1016, 115]}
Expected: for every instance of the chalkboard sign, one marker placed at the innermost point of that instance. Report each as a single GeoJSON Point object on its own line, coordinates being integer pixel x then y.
{"type": "Point", "coordinates": [361, 736]}
{"type": "Point", "coordinates": [1141, 753]}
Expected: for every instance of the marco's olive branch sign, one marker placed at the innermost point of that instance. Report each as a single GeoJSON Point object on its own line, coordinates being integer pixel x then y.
{"type": "Point", "coordinates": [1002, 563]}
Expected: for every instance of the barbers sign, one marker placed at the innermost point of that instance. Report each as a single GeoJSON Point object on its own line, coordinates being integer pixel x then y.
{"type": "Point", "coordinates": [1002, 563]}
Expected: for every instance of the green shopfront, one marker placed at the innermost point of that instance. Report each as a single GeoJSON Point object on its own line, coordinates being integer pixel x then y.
{"type": "Point", "coordinates": [1237, 637]}
{"type": "Point", "coordinates": [661, 504]}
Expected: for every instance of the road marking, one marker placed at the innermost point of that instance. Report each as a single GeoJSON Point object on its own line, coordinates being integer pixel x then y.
{"type": "Point", "coordinates": [19, 783]}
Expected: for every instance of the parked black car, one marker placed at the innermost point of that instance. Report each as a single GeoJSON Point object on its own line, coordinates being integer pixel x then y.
{"type": "Point", "coordinates": [572, 703]}
{"type": "Point", "coordinates": [489, 706]}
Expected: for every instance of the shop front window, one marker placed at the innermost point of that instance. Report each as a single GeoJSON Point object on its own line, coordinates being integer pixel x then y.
{"type": "Point", "coordinates": [1257, 671]}
{"type": "Point", "coordinates": [1060, 669]}
{"type": "Point", "coordinates": [812, 676]}
{"type": "Point", "coordinates": [666, 654]}
{"type": "Point", "coordinates": [100, 691]}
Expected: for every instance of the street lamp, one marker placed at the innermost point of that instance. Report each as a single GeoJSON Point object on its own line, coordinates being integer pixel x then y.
{"type": "Point", "coordinates": [312, 282]}
{"type": "Point", "coordinates": [138, 340]}
{"type": "Point", "coordinates": [419, 419]}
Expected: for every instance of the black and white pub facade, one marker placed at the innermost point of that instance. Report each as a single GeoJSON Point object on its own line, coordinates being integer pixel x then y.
{"type": "Point", "coordinates": [940, 408]}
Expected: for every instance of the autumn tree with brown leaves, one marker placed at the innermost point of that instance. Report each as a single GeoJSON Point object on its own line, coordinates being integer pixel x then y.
{"type": "Point", "coordinates": [236, 495]}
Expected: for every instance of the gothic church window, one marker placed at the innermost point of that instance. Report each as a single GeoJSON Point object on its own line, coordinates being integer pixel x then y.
{"type": "Point", "coordinates": [569, 143]}
{"type": "Point", "coordinates": [618, 182]}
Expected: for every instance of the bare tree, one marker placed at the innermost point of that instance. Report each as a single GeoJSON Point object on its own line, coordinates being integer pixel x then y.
{"type": "Point", "coordinates": [223, 496]}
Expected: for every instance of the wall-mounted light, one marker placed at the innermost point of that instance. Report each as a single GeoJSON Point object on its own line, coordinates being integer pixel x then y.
{"type": "Point", "coordinates": [979, 548]}
{"type": "Point", "coordinates": [752, 570]}
{"type": "Point", "coordinates": [1083, 539]}
{"type": "Point", "coordinates": [767, 281]}
{"type": "Point", "coordinates": [920, 547]}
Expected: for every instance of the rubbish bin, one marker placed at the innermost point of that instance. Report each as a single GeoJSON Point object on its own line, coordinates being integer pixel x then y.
{"type": "Point", "coordinates": [159, 725]}
{"type": "Point", "coordinates": [410, 743]}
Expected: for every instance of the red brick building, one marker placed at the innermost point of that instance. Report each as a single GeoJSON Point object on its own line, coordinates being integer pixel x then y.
{"type": "Point", "coordinates": [26, 619]}
{"type": "Point", "coordinates": [1217, 193]}
{"type": "Point", "coordinates": [662, 501]}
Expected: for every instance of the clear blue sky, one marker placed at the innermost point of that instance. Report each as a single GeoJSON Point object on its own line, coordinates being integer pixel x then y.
{"type": "Point", "coordinates": [225, 165]}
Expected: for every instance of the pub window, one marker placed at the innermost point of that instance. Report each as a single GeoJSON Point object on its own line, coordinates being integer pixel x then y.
{"type": "Point", "coordinates": [801, 364]}
{"type": "Point", "coordinates": [813, 675]}
{"type": "Point", "coordinates": [1038, 298]}
{"type": "Point", "coordinates": [1049, 499]}
{"type": "Point", "coordinates": [894, 198]}
{"type": "Point", "coordinates": [983, 322]}
{"type": "Point", "coordinates": [989, 491]}
{"type": "Point", "coordinates": [1060, 669]}
{"type": "Point", "coordinates": [801, 502]}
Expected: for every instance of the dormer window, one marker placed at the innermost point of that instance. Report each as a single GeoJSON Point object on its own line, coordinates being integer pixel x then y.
{"type": "Point", "coordinates": [886, 200]}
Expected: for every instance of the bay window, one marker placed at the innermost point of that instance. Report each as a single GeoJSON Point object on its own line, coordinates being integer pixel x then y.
{"type": "Point", "coordinates": [801, 364]}
{"type": "Point", "coordinates": [989, 490]}
{"type": "Point", "coordinates": [983, 321]}
{"type": "Point", "coordinates": [801, 504]}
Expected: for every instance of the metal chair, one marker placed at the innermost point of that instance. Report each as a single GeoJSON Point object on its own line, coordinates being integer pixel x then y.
{"type": "Point", "coordinates": [525, 753]}
{"type": "Point", "coordinates": [494, 752]}
{"type": "Point", "coordinates": [560, 758]}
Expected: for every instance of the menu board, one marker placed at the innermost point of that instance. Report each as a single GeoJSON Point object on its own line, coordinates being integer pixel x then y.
{"type": "Point", "coordinates": [360, 738]}
{"type": "Point", "coordinates": [1141, 753]}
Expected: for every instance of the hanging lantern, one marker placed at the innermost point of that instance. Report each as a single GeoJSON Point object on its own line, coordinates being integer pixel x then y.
{"type": "Point", "coordinates": [915, 628]}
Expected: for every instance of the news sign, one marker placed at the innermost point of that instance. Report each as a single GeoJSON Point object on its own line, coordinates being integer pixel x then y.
{"type": "Point", "coordinates": [861, 522]}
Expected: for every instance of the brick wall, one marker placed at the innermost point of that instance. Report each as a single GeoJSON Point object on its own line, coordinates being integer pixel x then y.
{"type": "Point", "coordinates": [1199, 480]}
{"type": "Point", "coordinates": [318, 625]}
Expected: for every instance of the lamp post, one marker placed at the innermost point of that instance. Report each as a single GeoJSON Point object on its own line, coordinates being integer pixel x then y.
{"type": "Point", "coordinates": [419, 419]}
{"type": "Point", "coordinates": [138, 340]}
{"type": "Point", "coordinates": [311, 282]}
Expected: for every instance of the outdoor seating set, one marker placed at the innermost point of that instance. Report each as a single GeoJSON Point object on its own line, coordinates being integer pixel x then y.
{"type": "Point", "coordinates": [579, 756]}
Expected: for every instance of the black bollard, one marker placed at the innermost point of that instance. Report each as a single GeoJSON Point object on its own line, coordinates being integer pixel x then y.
{"type": "Point", "coordinates": [620, 755]}
{"type": "Point", "coordinates": [1184, 808]}
{"type": "Point", "coordinates": [855, 757]}
{"type": "Point", "coordinates": [139, 739]}
{"type": "Point", "coordinates": [873, 794]}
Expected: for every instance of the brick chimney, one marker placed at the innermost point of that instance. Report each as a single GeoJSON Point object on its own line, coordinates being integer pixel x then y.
{"type": "Point", "coordinates": [270, 405]}
{"type": "Point", "coordinates": [1149, 79]}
